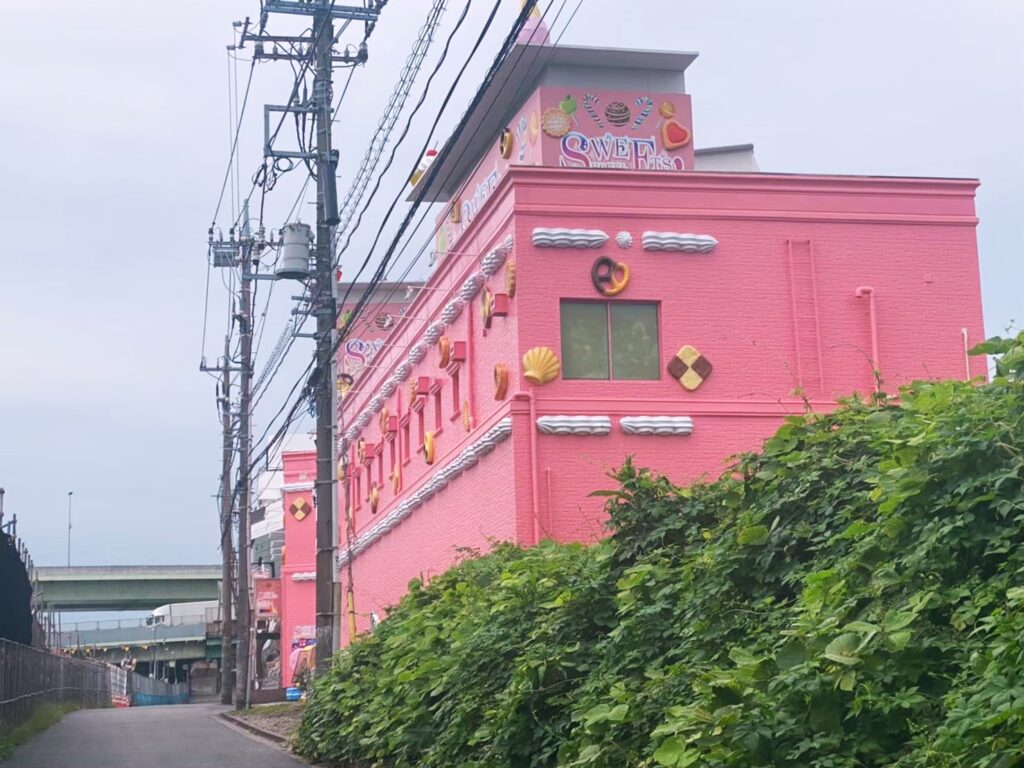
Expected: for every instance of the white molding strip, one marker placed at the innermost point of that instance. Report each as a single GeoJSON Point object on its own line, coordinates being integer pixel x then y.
{"type": "Point", "coordinates": [560, 237]}
{"type": "Point", "coordinates": [686, 242]}
{"type": "Point", "coordinates": [656, 425]}
{"type": "Point", "coordinates": [436, 482]}
{"type": "Point", "coordinates": [296, 487]}
{"type": "Point", "coordinates": [304, 576]}
{"type": "Point", "coordinates": [574, 425]}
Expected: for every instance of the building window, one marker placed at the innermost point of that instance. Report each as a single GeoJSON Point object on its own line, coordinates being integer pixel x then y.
{"type": "Point", "coordinates": [380, 468]}
{"type": "Point", "coordinates": [609, 340]}
{"type": "Point", "coordinates": [421, 421]}
{"type": "Point", "coordinates": [438, 426]}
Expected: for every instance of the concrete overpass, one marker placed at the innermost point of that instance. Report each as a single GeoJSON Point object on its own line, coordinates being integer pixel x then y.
{"type": "Point", "coordinates": [123, 587]}
{"type": "Point", "coordinates": [187, 638]}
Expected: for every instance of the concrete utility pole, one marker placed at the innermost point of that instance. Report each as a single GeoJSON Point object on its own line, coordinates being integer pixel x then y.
{"type": "Point", "coordinates": [326, 316]}
{"type": "Point", "coordinates": [227, 635]}
{"type": "Point", "coordinates": [243, 618]}
{"type": "Point", "coordinates": [318, 48]}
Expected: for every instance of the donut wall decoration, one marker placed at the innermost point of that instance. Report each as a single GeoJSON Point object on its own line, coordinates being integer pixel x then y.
{"type": "Point", "coordinates": [500, 381]}
{"type": "Point", "coordinates": [505, 144]}
{"type": "Point", "coordinates": [609, 277]}
{"type": "Point", "coordinates": [541, 365]}
{"type": "Point", "coordinates": [689, 367]}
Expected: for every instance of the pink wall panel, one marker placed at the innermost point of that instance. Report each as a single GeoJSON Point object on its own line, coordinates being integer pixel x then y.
{"type": "Point", "coordinates": [475, 511]}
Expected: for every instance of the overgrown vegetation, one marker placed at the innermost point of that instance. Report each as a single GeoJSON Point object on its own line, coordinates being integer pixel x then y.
{"type": "Point", "coordinates": [852, 596]}
{"type": "Point", "coordinates": [45, 716]}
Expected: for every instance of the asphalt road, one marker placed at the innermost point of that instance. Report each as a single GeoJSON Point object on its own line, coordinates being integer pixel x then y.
{"type": "Point", "coordinates": [183, 736]}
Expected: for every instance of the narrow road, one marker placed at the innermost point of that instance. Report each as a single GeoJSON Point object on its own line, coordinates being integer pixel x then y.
{"type": "Point", "coordinates": [183, 736]}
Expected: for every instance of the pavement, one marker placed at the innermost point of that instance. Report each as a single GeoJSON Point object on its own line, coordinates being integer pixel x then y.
{"type": "Point", "coordinates": [181, 736]}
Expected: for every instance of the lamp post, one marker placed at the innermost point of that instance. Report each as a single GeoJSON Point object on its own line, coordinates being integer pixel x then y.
{"type": "Point", "coordinates": [70, 494]}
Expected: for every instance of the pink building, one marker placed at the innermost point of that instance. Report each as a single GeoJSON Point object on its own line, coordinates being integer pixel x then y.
{"type": "Point", "coordinates": [603, 290]}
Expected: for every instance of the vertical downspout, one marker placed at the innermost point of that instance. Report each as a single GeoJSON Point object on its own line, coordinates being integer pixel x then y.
{"type": "Point", "coordinates": [470, 369]}
{"type": "Point", "coordinates": [967, 353]}
{"type": "Point", "coordinates": [534, 479]}
{"type": "Point", "coordinates": [868, 291]}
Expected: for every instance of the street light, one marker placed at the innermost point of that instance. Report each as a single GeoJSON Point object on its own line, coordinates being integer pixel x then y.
{"type": "Point", "coordinates": [70, 494]}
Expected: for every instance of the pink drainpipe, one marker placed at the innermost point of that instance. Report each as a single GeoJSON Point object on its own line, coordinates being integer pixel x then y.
{"type": "Point", "coordinates": [870, 293]}
{"type": "Point", "coordinates": [534, 480]}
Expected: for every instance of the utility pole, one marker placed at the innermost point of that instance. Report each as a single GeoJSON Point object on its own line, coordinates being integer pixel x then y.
{"type": "Point", "coordinates": [318, 48]}
{"type": "Point", "coordinates": [326, 316]}
{"type": "Point", "coordinates": [243, 618]}
{"type": "Point", "coordinates": [227, 636]}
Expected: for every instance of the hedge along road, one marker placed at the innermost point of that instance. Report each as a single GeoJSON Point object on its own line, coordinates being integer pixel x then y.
{"type": "Point", "coordinates": [182, 736]}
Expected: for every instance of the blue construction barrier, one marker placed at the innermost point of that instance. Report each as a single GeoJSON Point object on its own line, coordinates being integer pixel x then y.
{"type": "Point", "coordinates": [148, 692]}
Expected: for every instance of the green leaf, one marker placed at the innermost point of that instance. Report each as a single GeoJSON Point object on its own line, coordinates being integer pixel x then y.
{"type": "Point", "coordinates": [673, 752]}
{"type": "Point", "coordinates": [753, 536]}
{"type": "Point", "coordinates": [843, 649]}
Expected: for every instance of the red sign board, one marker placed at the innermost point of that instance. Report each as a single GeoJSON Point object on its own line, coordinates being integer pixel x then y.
{"type": "Point", "coordinates": [268, 598]}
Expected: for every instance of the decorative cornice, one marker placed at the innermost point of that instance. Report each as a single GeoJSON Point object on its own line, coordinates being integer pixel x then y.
{"type": "Point", "coordinates": [489, 264]}
{"type": "Point", "coordinates": [560, 237]}
{"type": "Point", "coordinates": [686, 242]}
{"type": "Point", "coordinates": [296, 487]}
{"type": "Point", "coordinates": [439, 480]}
{"type": "Point", "coordinates": [574, 425]}
{"type": "Point", "coordinates": [304, 576]}
{"type": "Point", "coordinates": [656, 425]}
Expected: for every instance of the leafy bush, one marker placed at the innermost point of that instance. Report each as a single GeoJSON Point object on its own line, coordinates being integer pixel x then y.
{"type": "Point", "coordinates": [852, 595]}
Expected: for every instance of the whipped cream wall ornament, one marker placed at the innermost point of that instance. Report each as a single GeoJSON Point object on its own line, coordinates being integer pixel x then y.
{"type": "Point", "coordinates": [560, 237]}
{"type": "Point", "coordinates": [685, 242]}
{"type": "Point", "coordinates": [656, 425]}
{"type": "Point", "coordinates": [574, 425]}
{"type": "Point", "coordinates": [624, 240]}
{"type": "Point", "coordinates": [437, 482]}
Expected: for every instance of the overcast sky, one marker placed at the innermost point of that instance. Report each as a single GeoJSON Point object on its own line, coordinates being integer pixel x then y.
{"type": "Point", "coordinates": [115, 126]}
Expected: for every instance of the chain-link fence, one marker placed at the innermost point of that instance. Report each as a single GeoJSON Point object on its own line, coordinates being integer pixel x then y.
{"type": "Point", "coordinates": [30, 678]}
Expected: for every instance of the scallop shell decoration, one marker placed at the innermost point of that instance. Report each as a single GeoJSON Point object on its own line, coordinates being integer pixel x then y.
{"type": "Point", "coordinates": [541, 365]}
{"type": "Point", "coordinates": [624, 239]}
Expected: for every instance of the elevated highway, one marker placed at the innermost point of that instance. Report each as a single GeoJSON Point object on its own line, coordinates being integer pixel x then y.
{"type": "Point", "coordinates": [123, 587]}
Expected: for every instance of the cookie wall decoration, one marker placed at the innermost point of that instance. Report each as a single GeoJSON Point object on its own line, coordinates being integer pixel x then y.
{"type": "Point", "coordinates": [689, 367]}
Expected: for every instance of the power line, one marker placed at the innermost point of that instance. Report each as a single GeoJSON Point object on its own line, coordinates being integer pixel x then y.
{"type": "Point", "coordinates": [499, 59]}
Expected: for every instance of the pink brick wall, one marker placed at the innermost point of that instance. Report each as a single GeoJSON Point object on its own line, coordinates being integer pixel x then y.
{"type": "Point", "coordinates": [298, 598]}
{"type": "Point", "coordinates": [774, 307]}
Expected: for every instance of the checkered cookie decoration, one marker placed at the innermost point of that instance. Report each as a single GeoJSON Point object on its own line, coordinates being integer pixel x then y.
{"type": "Point", "coordinates": [689, 367]}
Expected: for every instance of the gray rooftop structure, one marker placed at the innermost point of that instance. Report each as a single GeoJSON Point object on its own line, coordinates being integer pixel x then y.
{"type": "Point", "coordinates": [529, 67]}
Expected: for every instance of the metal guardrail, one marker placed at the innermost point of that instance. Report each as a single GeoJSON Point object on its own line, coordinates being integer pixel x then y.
{"type": "Point", "coordinates": [208, 616]}
{"type": "Point", "coordinates": [30, 678]}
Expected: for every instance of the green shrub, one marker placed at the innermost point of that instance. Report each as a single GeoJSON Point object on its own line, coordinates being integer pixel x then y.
{"type": "Point", "coordinates": [852, 595]}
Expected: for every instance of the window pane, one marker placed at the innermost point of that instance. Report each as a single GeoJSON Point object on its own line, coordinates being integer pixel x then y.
{"type": "Point", "coordinates": [635, 341]}
{"type": "Point", "coordinates": [584, 340]}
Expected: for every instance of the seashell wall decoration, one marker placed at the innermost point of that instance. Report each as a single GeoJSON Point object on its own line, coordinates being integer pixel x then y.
{"type": "Point", "coordinates": [541, 365]}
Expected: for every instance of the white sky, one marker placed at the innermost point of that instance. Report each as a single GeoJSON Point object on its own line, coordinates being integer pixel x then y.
{"type": "Point", "coordinates": [115, 127]}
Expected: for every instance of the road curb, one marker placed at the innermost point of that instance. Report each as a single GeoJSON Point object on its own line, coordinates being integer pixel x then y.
{"type": "Point", "coordinates": [241, 723]}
